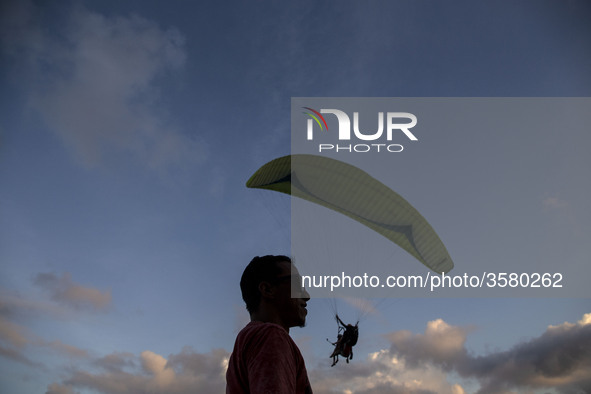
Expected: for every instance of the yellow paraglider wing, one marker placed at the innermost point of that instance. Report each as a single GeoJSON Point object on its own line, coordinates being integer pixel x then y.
{"type": "Point", "coordinates": [353, 192]}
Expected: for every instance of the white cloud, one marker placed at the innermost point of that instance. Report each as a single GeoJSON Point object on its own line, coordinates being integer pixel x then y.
{"type": "Point", "coordinates": [95, 84]}
{"type": "Point", "coordinates": [186, 372]}
{"type": "Point", "coordinates": [156, 365]}
{"type": "Point", "coordinates": [382, 372]}
{"type": "Point", "coordinates": [429, 362]}
{"type": "Point", "coordinates": [585, 320]}
{"type": "Point", "coordinates": [560, 358]}
{"type": "Point", "coordinates": [416, 363]}
{"type": "Point", "coordinates": [441, 344]}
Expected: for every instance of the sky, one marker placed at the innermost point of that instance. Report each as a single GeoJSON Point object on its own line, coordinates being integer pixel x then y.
{"type": "Point", "coordinates": [128, 131]}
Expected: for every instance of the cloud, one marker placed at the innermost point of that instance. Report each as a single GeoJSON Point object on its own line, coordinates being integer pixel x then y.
{"type": "Point", "coordinates": [17, 342]}
{"type": "Point", "coordinates": [156, 365]}
{"type": "Point", "coordinates": [95, 84]}
{"type": "Point", "coordinates": [116, 361]}
{"type": "Point", "coordinates": [15, 306]}
{"type": "Point", "coordinates": [63, 348]}
{"type": "Point", "coordinates": [381, 372]}
{"type": "Point", "coordinates": [12, 333]}
{"type": "Point", "coordinates": [16, 355]}
{"type": "Point", "coordinates": [118, 372]}
{"type": "Point", "coordinates": [560, 358]}
{"type": "Point", "coordinates": [441, 344]}
{"type": "Point", "coordinates": [554, 203]}
{"type": "Point", "coordinates": [186, 372]}
{"type": "Point", "coordinates": [13, 337]}
{"type": "Point", "coordinates": [56, 388]}
{"type": "Point", "coordinates": [64, 291]}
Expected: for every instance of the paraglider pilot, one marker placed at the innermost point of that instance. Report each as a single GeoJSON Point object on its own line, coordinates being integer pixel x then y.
{"type": "Point", "coordinates": [345, 341]}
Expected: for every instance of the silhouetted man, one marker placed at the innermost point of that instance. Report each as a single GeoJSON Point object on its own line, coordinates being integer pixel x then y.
{"type": "Point", "coordinates": [265, 359]}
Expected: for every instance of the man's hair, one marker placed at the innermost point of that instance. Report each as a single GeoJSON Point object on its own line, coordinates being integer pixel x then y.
{"type": "Point", "coordinates": [260, 269]}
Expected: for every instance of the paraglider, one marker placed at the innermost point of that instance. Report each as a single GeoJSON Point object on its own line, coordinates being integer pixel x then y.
{"type": "Point", "coordinates": [352, 192]}
{"type": "Point", "coordinates": [356, 194]}
{"type": "Point", "coordinates": [347, 337]}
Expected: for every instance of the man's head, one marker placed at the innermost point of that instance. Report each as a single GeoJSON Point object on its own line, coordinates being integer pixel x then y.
{"type": "Point", "coordinates": [266, 290]}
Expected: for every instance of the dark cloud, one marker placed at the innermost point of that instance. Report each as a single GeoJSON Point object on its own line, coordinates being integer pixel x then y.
{"type": "Point", "coordinates": [55, 388]}
{"type": "Point", "coordinates": [16, 355]}
{"type": "Point", "coordinates": [13, 337]}
{"type": "Point", "coordinates": [64, 348]}
{"type": "Point", "coordinates": [17, 341]}
{"type": "Point", "coordinates": [12, 333]}
{"type": "Point", "coordinates": [116, 362]}
{"type": "Point", "coordinates": [65, 291]}
{"type": "Point", "coordinates": [393, 389]}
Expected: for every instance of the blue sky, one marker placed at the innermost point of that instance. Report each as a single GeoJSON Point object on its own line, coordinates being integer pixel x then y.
{"type": "Point", "coordinates": [128, 130]}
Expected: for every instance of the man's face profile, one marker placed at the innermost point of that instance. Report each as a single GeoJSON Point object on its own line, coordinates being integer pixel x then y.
{"type": "Point", "coordinates": [293, 310]}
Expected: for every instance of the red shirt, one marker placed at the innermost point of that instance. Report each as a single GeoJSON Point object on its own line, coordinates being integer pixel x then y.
{"type": "Point", "coordinates": [266, 360]}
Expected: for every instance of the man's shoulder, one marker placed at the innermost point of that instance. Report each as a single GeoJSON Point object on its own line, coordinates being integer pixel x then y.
{"type": "Point", "coordinates": [256, 328]}
{"type": "Point", "coordinates": [257, 334]}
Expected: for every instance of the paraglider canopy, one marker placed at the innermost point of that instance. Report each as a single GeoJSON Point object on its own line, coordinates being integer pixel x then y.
{"type": "Point", "coordinates": [352, 192]}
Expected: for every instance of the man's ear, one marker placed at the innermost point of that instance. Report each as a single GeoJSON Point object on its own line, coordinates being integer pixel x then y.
{"type": "Point", "coordinates": [267, 290]}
